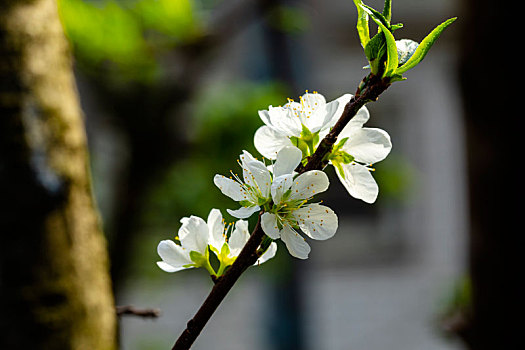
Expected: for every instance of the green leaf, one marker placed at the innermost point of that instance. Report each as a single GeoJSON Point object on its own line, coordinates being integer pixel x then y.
{"type": "Point", "coordinates": [387, 10]}
{"type": "Point", "coordinates": [397, 77]}
{"type": "Point", "coordinates": [424, 47]}
{"type": "Point", "coordinates": [362, 24]}
{"type": "Point", "coordinates": [391, 48]}
{"type": "Point", "coordinates": [377, 15]}
{"type": "Point", "coordinates": [375, 49]}
{"type": "Point", "coordinates": [394, 27]}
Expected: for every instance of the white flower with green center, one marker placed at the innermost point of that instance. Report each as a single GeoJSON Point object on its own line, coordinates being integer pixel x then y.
{"type": "Point", "coordinates": [197, 237]}
{"type": "Point", "coordinates": [251, 193]}
{"type": "Point", "coordinates": [284, 199]}
{"type": "Point", "coordinates": [238, 239]}
{"type": "Point", "coordinates": [358, 148]}
{"type": "Point", "coordinates": [291, 211]}
{"type": "Point", "coordinates": [255, 191]}
{"type": "Point", "coordinates": [300, 124]}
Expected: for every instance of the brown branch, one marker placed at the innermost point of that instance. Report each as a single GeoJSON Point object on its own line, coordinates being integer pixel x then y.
{"type": "Point", "coordinates": [131, 310]}
{"type": "Point", "coordinates": [246, 258]}
{"type": "Point", "coordinates": [374, 86]}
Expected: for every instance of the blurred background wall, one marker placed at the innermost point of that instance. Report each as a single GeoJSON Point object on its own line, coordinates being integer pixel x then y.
{"type": "Point", "coordinates": [170, 91]}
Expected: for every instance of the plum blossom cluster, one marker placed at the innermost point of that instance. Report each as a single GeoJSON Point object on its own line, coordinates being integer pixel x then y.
{"type": "Point", "coordinates": [305, 123]}
{"type": "Point", "coordinates": [197, 239]}
{"type": "Point", "coordinates": [281, 189]}
{"type": "Point", "coordinates": [283, 198]}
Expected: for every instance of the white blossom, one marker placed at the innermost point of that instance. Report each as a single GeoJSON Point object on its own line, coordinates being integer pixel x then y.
{"type": "Point", "coordinates": [254, 189]}
{"type": "Point", "coordinates": [304, 124]}
{"type": "Point", "coordinates": [307, 120]}
{"type": "Point", "coordinates": [195, 236]}
{"type": "Point", "coordinates": [361, 148]}
{"type": "Point", "coordinates": [284, 198]}
{"type": "Point", "coordinates": [291, 211]}
{"type": "Point", "coordinates": [238, 239]}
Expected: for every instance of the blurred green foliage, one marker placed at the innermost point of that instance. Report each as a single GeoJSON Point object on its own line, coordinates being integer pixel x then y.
{"type": "Point", "coordinates": [223, 124]}
{"type": "Point", "coordinates": [455, 312]}
{"type": "Point", "coordinates": [291, 20]}
{"type": "Point", "coordinates": [224, 120]}
{"type": "Point", "coordinates": [397, 179]}
{"type": "Point", "coordinates": [134, 42]}
{"type": "Point", "coordinates": [128, 39]}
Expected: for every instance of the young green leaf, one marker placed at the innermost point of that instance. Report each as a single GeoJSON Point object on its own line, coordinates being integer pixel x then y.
{"type": "Point", "coordinates": [375, 50]}
{"type": "Point", "coordinates": [397, 77]}
{"type": "Point", "coordinates": [391, 48]}
{"type": "Point", "coordinates": [394, 27]}
{"type": "Point", "coordinates": [377, 15]}
{"type": "Point", "coordinates": [362, 24]}
{"type": "Point", "coordinates": [424, 47]}
{"type": "Point", "coordinates": [387, 10]}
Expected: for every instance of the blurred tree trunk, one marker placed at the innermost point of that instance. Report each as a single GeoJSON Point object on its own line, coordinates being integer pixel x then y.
{"type": "Point", "coordinates": [55, 291]}
{"type": "Point", "coordinates": [494, 138]}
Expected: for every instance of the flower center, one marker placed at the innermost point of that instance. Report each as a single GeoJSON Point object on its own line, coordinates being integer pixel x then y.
{"type": "Point", "coordinates": [284, 210]}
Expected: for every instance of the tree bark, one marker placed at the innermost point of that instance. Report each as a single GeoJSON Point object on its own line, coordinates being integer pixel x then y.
{"type": "Point", "coordinates": [493, 107]}
{"type": "Point", "coordinates": [55, 290]}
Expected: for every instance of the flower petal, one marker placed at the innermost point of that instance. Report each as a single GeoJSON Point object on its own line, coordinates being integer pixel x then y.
{"type": "Point", "coordinates": [268, 141]}
{"type": "Point", "coordinates": [173, 256]}
{"type": "Point", "coordinates": [368, 145]}
{"type": "Point", "coordinates": [216, 229]}
{"type": "Point", "coordinates": [256, 174]}
{"type": "Point", "coordinates": [296, 244]}
{"type": "Point", "coordinates": [239, 237]}
{"type": "Point", "coordinates": [230, 188]}
{"type": "Point", "coordinates": [279, 186]}
{"type": "Point", "coordinates": [269, 225]}
{"type": "Point", "coordinates": [194, 234]}
{"type": "Point", "coordinates": [335, 109]}
{"type": "Point", "coordinates": [316, 221]}
{"type": "Point", "coordinates": [288, 159]}
{"type": "Point", "coordinates": [359, 182]}
{"type": "Point", "coordinates": [284, 121]}
{"type": "Point", "coordinates": [309, 184]}
{"type": "Point", "coordinates": [313, 108]}
{"type": "Point", "coordinates": [169, 268]}
{"type": "Point", "coordinates": [268, 254]}
{"type": "Point", "coordinates": [355, 123]}
{"type": "Point", "coordinates": [265, 117]}
{"type": "Point", "coordinates": [243, 212]}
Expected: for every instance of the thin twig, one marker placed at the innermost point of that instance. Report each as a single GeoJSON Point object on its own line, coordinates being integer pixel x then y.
{"type": "Point", "coordinates": [131, 310]}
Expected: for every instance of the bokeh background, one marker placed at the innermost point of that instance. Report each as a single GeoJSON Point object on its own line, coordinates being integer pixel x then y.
{"type": "Point", "coordinates": [170, 90]}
